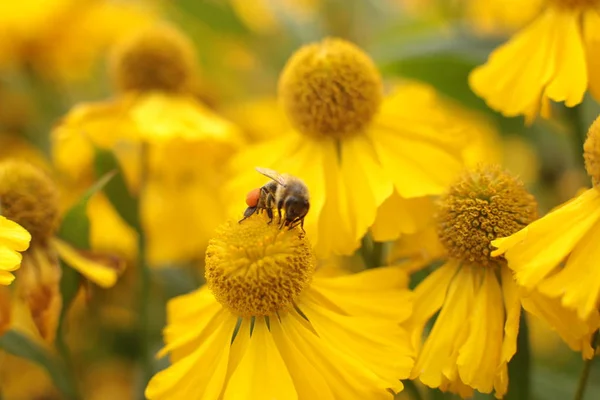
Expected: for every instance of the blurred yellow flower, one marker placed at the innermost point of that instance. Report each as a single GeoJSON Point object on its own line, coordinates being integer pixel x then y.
{"type": "Point", "coordinates": [499, 16]}
{"type": "Point", "coordinates": [352, 146]}
{"type": "Point", "coordinates": [185, 146]}
{"type": "Point", "coordinates": [268, 328]}
{"type": "Point", "coordinates": [13, 240]}
{"type": "Point", "coordinates": [30, 198]}
{"type": "Point", "coordinates": [17, 375]}
{"type": "Point", "coordinates": [537, 65]}
{"type": "Point", "coordinates": [266, 16]}
{"type": "Point", "coordinates": [474, 335]}
{"type": "Point", "coordinates": [557, 254]}
{"type": "Point", "coordinates": [62, 38]}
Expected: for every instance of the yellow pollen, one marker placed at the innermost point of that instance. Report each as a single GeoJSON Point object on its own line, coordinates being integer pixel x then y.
{"type": "Point", "coordinates": [577, 4]}
{"type": "Point", "coordinates": [591, 152]}
{"type": "Point", "coordinates": [330, 89]}
{"type": "Point", "coordinates": [484, 204]}
{"type": "Point", "coordinates": [159, 58]}
{"type": "Point", "coordinates": [256, 269]}
{"type": "Point", "coordinates": [30, 198]}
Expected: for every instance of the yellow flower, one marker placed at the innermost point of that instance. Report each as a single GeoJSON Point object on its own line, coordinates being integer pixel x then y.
{"type": "Point", "coordinates": [479, 305]}
{"type": "Point", "coordinates": [13, 240]}
{"type": "Point", "coordinates": [185, 146]}
{"type": "Point", "coordinates": [557, 254]}
{"type": "Point", "coordinates": [538, 64]}
{"type": "Point", "coordinates": [266, 326]}
{"type": "Point", "coordinates": [62, 38]}
{"type": "Point", "coordinates": [352, 146]}
{"type": "Point", "coordinates": [265, 17]}
{"type": "Point", "coordinates": [497, 16]}
{"type": "Point", "coordinates": [30, 198]}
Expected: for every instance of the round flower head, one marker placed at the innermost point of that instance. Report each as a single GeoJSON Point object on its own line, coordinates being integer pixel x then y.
{"type": "Point", "coordinates": [157, 58]}
{"type": "Point", "coordinates": [557, 254]}
{"type": "Point", "coordinates": [352, 146]}
{"type": "Point", "coordinates": [270, 327]}
{"type": "Point", "coordinates": [550, 66]}
{"type": "Point", "coordinates": [478, 304]}
{"type": "Point", "coordinates": [30, 198]}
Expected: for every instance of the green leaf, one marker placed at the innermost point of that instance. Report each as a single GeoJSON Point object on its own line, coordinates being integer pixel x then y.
{"type": "Point", "coordinates": [116, 190]}
{"type": "Point", "coordinates": [218, 15]}
{"type": "Point", "coordinates": [20, 345]}
{"type": "Point", "coordinates": [519, 368]}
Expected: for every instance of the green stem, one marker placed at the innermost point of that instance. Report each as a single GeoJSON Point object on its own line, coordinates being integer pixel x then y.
{"type": "Point", "coordinates": [519, 368]}
{"type": "Point", "coordinates": [373, 253]}
{"type": "Point", "coordinates": [144, 286]}
{"type": "Point", "coordinates": [587, 367]}
{"type": "Point", "coordinates": [578, 130]}
{"type": "Point", "coordinates": [412, 390]}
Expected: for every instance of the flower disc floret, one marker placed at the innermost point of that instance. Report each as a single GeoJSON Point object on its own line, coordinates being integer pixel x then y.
{"type": "Point", "coordinates": [158, 58]}
{"type": "Point", "coordinates": [30, 198]}
{"type": "Point", "coordinates": [256, 269]}
{"type": "Point", "coordinates": [331, 88]}
{"type": "Point", "coordinates": [591, 152]}
{"type": "Point", "coordinates": [484, 204]}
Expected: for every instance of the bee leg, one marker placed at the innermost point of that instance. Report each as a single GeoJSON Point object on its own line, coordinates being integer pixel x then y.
{"type": "Point", "coordinates": [279, 207]}
{"type": "Point", "coordinates": [249, 211]}
{"type": "Point", "coordinates": [270, 214]}
{"type": "Point", "coordinates": [269, 206]}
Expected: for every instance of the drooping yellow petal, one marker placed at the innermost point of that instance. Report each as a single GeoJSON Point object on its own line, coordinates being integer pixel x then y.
{"type": "Point", "coordinates": [200, 374]}
{"type": "Point", "coordinates": [591, 38]}
{"type": "Point", "coordinates": [579, 281]}
{"type": "Point", "coordinates": [512, 306]}
{"type": "Point", "coordinates": [10, 260]}
{"type": "Point", "coordinates": [102, 275]}
{"type": "Point", "coordinates": [550, 62]}
{"type": "Point", "coordinates": [262, 373]}
{"type": "Point", "coordinates": [536, 250]}
{"type": "Point", "coordinates": [575, 332]}
{"type": "Point", "coordinates": [399, 216]}
{"type": "Point", "coordinates": [376, 292]}
{"type": "Point", "coordinates": [6, 278]}
{"type": "Point", "coordinates": [366, 182]}
{"type": "Point", "coordinates": [13, 235]}
{"type": "Point", "coordinates": [479, 356]}
{"type": "Point", "coordinates": [414, 252]}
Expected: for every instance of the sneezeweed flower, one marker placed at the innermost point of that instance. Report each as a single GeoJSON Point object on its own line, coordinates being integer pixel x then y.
{"type": "Point", "coordinates": [499, 16]}
{"type": "Point", "coordinates": [474, 336]}
{"type": "Point", "coordinates": [268, 326]}
{"type": "Point", "coordinates": [154, 72]}
{"type": "Point", "coordinates": [549, 66]}
{"type": "Point", "coordinates": [29, 198]}
{"type": "Point", "coordinates": [558, 253]}
{"type": "Point", "coordinates": [14, 239]}
{"type": "Point", "coordinates": [353, 146]}
{"type": "Point", "coordinates": [61, 39]}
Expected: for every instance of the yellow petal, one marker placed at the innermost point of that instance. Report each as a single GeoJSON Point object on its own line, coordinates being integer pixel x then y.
{"type": "Point", "coordinates": [575, 332]}
{"type": "Point", "coordinates": [379, 292]}
{"type": "Point", "coordinates": [366, 182]}
{"type": "Point", "coordinates": [591, 37]}
{"type": "Point", "coordinates": [579, 282]}
{"type": "Point", "coordinates": [536, 250]}
{"type": "Point", "coordinates": [201, 374]}
{"type": "Point", "coordinates": [262, 373]}
{"type": "Point", "coordinates": [479, 356]}
{"type": "Point", "coordinates": [6, 278]}
{"type": "Point", "coordinates": [398, 216]}
{"type": "Point", "coordinates": [417, 251]}
{"type": "Point", "coordinates": [515, 87]}
{"type": "Point", "coordinates": [13, 235]}
{"type": "Point", "coordinates": [10, 260]}
{"type": "Point", "coordinates": [100, 274]}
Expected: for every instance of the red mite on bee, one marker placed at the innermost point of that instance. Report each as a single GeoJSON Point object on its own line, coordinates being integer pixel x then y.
{"type": "Point", "coordinates": [284, 192]}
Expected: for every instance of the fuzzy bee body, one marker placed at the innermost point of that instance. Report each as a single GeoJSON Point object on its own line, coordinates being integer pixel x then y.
{"type": "Point", "coordinates": [284, 192]}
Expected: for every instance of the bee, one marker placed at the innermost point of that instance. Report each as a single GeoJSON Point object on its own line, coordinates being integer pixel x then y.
{"type": "Point", "coordinates": [284, 192]}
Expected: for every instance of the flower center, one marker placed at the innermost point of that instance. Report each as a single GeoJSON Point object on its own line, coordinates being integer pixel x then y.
{"type": "Point", "coordinates": [159, 58]}
{"type": "Point", "coordinates": [577, 4]}
{"type": "Point", "coordinates": [30, 198]}
{"type": "Point", "coordinates": [256, 269]}
{"type": "Point", "coordinates": [591, 152]}
{"type": "Point", "coordinates": [484, 204]}
{"type": "Point", "coordinates": [330, 89]}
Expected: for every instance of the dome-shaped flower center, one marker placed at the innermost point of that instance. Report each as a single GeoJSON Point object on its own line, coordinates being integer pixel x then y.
{"type": "Point", "coordinates": [577, 4]}
{"type": "Point", "coordinates": [159, 58]}
{"type": "Point", "coordinates": [591, 152]}
{"type": "Point", "coordinates": [331, 88]}
{"type": "Point", "coordinates": [484, 204]}
{"type": "Point", "coordinates": [256, 269]}
{"type": "Point", "coordinates": [30, 198]}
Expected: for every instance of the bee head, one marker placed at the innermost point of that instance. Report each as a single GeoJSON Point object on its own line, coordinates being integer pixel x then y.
{"type": "Point", "coordinates": [295, 208]}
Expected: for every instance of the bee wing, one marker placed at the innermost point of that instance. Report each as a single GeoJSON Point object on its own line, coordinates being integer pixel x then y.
{"type": "Point", "coordinates": [269, 173]}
